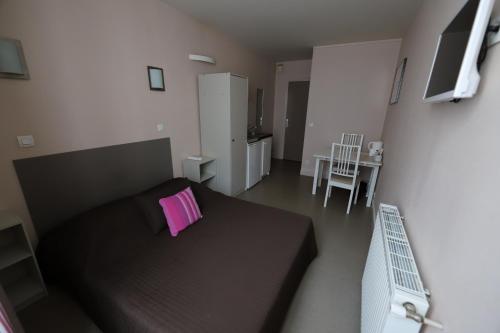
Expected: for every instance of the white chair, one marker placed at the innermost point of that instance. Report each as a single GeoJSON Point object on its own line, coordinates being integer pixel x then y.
{"type": "Point", "coordinates": [345, 172]}
{"type": "Point", "coordinates": [352, 139]}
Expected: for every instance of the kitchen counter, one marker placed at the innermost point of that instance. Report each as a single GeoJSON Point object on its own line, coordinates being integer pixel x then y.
{"type": "Point", "coordinates": [257, 137]}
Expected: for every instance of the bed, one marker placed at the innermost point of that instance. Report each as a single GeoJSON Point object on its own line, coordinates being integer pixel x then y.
{"type": "Point", "coordinates": [236, 270]}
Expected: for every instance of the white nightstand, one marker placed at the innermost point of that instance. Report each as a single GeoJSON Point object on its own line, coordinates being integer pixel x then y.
{"type": "Point", "coordinates": [19, 272]}
{"type": "Point", "coordinates": [201, 171]}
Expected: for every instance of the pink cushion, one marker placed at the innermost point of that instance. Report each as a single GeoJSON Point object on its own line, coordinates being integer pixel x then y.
{"type": "Point", "coordinates": [181, 210]}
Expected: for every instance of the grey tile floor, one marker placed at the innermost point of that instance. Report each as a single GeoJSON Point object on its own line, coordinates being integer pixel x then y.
{"type": "Point", "coordinates": [328, 299]}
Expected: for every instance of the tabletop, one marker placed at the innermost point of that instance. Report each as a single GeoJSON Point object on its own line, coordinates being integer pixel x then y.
{"type": "Point", "coordinates": [364, 159]}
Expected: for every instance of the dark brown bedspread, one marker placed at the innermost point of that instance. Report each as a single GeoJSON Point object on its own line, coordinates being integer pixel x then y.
{"type": "Point", "coordinates": [236, 270]}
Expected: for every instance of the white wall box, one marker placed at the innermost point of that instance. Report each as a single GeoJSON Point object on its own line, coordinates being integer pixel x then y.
{"type": "Point", "coordinates": [19, 272]}
{"type": "Point", "coordinates": [223, 99]}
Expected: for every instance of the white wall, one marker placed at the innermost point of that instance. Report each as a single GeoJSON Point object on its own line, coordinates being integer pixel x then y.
{"type": "Point", "coordinates": [299, 70]}
{"type": "Point", "coordinates": [349, 92]}
{"type": "Point", "coordinates": [441, 168]}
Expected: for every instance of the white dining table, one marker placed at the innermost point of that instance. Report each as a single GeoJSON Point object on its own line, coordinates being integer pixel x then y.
{"type": "Point", "coordinates": [365, 160]}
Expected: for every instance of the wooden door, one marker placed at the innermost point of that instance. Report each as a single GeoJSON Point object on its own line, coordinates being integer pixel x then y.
{"type": "Point", "coordinates": [295, 123]}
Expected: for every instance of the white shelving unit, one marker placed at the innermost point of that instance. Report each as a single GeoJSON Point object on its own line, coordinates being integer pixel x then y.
{"type": "Point", "coordinates": [202, 171]}
{"type": "Point", "coordinates": [19, 272]}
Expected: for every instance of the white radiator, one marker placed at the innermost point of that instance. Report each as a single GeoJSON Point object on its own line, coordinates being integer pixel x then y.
{"type": "Point", "coordinates": [393, 298]}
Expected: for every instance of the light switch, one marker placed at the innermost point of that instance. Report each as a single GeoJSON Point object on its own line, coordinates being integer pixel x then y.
{"type": "Point", "coordinates": [26, 141]}
{"type": "Point", "coordinates": [160, 127]}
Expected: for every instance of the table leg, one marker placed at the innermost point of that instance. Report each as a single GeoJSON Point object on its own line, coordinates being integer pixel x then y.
{"type": "Point", "coordinates": [316, 172]}
{"type": "Point", "coordinates": [320, 175]}
{"type": "Point", "coordinates": [371, 188]}
{"type": "Point", "coordinates": [367, 187]}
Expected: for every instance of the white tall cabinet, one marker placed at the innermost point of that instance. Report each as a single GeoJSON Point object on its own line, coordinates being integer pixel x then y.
{"type": "Point", "coordinates": [223, 99]}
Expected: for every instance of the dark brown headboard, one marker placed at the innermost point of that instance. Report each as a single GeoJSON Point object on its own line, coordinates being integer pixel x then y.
{"type": "Point", "coordinates": [60, 186]}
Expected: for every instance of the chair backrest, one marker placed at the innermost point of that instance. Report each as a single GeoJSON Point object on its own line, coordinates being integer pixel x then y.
{"type": "Point", "coordinates": [352, 139]}
{"type": "Point", "coordinates": [346, 160]}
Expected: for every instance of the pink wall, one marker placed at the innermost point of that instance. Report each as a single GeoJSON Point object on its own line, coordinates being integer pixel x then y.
{"type": "Point", "coordinates": [88, 87]}
{"type": "Point", "coordinates": [349, 92]}
{"type": "Point", "coordinates": [299, 70]}
{"type": "Point", "coordinates": [440, 168]}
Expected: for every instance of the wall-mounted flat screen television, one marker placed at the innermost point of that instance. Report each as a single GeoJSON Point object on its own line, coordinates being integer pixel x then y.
{"type": "Point", "coordinates": [454, 74]}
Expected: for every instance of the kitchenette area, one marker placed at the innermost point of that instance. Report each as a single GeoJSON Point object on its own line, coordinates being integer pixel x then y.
{"type": "Point", "coordinates": [235, 152]}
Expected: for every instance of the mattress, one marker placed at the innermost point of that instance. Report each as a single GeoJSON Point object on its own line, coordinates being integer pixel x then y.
{"type": "Point", "coordinates": [236, 270]}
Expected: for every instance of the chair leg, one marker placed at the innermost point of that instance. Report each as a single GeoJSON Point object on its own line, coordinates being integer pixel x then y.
{"type": "Point", "coordinates": [357, 194]}
{"type": "Point", "coordinates": [350, 202]}
{"type": "Point", "coordinates": [328, 188]}
{"type": "Point", "coordinates": [330, 192]}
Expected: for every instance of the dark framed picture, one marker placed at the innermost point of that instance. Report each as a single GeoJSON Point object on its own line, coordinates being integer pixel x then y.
{"type": "Point", "coordinates": [398, 82]}
{"type": "Point", "coordinates": [156, 80]}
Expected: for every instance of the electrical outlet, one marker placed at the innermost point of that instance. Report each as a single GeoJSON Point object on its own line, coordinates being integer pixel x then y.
{"type": "Point", "coordinates": [160, 127]}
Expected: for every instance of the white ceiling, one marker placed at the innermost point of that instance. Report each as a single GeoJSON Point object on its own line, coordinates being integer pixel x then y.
{"type": "Point", "coordinates": [288, 29]}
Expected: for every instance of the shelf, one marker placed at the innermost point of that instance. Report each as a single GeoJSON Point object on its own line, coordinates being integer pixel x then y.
{"type": "Point", "coordinates": [19, 272]}
{"type": "Point", "coordinates": [13, 254]}
{"type": "Point", "coordinates": [8, 220]}
{"type": "Point", "coordinates": [206, 176]}
{"type": "Point", "coordinates": [24, 291]}
{"type": "Point", "coordinates": [200, 171]}
{"type": "Point", "coordinates": [204, 160]}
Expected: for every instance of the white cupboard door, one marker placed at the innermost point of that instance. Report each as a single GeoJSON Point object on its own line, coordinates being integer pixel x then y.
{"type": "Point", "coordinates": [254, 163]}
{"type": "Point", "coordinates": [266, 156]}
{"type": "Point", "coordinates": [239, 118]}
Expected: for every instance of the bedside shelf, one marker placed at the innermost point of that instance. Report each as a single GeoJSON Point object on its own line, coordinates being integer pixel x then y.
{"type": "Point", "coordinates": [25, 291]}
{"type": "Point", "coordinates": [203, 171]}
{"type": "Point", "coordinates": [13, 254]}
{"type": "Point", "coordinates": [206, 176]}
{"type": "Point", "coordinates": [19, 272]}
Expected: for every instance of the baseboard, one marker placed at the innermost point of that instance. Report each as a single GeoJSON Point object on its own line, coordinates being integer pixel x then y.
{"type": "Point", "coordinates": [307, 172]}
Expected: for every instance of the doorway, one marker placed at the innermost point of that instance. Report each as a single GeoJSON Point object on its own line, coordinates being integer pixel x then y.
{"type": "Point", "coordinates": [295, 122]}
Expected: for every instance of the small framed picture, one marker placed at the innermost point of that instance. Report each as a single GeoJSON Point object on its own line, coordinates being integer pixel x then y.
{"type": "Point", "coordinates": [12, 61]}
{"type": "Point", "coordinates": [398, 82]}
{"type": "Point", "coordinates": [156, 81]}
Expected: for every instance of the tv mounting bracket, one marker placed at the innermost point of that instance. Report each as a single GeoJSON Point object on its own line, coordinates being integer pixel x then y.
{"type": "Point", "coordinates": [493, 35]}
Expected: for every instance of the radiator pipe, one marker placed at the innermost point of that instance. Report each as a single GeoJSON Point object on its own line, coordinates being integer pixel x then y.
{"type": "Point", "coordinates": [408, 310]}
